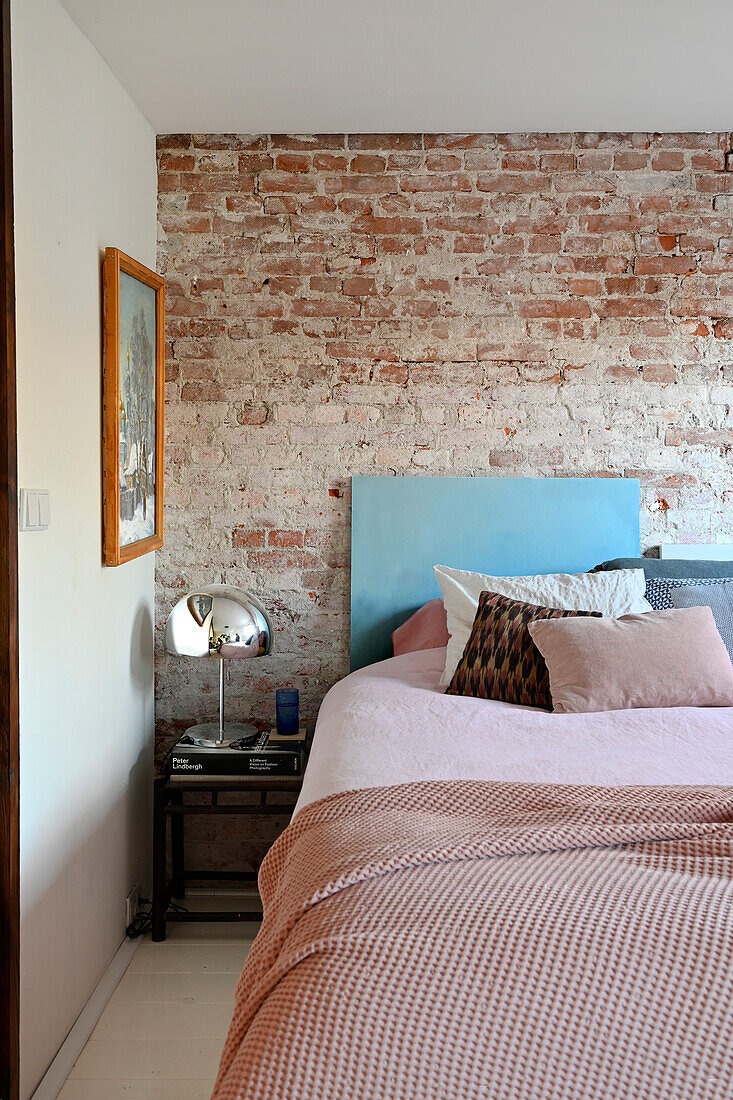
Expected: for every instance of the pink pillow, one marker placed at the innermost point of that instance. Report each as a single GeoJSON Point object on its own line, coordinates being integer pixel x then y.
{"type": "Point", "coordinates": [426, 629]}
{"type": "Point", "coordinates": [659, 659]}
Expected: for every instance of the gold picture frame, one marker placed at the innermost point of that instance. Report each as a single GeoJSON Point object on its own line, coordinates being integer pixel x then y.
{"type": "Point", "coordinates": [133, 381]}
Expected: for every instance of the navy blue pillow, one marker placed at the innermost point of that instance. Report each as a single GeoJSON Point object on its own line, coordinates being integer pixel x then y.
{"type": "Point", "coordinates": [670, 567]}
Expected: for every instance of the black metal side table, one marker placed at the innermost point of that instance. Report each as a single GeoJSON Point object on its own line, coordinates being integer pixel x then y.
{"type": "Point", "coordinates": [171, 802]}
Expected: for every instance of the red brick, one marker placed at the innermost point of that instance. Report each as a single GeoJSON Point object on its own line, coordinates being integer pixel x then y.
{"type": "Point", "coordinates": [610, 223]}
{"type": "Point", "coordinates": [447, 224]}
{"type": "Point", "coordinates": [281, 204]}
{"type": "Point", "coordinates": [361, 185]}
{"type": "Point", "coordinates": [567, 308]}
{"type": "Point", "coordinates": [307, 142]}
{"type": "Point", "coordinates": [543, 244]}
{"type": "Point", "coordinates": [285, 539]}
{"type": "Point", "coordinates": [621, 372]}
{"type": "Point", "coordinates": [317, 204]}
{"type": "Point", "coordinates": [176, 162]}
{"type": "Point", "coordinates": [342, 349]}
{"type": "Point", "coordinates": [329, 162]}
{"type": "Point", "coordinates": [447, 181]}
{"type": "Point", "coordinates": [384, 141]}
{"type": "Point", "coordinates": [367, 164]}
{"type": "Point", "coordinates": [689, 139]}
{"type": "Point", "coordinates": [324, 307]}
{"type": "Point", "coordinates": [229, 141]}
{"type": "Point", "coordinates": [460, 141]}
{"type": "Point", "coordinates": [292, 162]}
{"type": "Point", "coordinates": [630, 161]}
{"type": "Point", "coordinates": [690, 242]}
{"type": "Point", "coordinates": [535, 141]}
{"type": "Point", "coordinates": [360, 285]}
{"type": "Point", "coordinates": [251, 163]}
{"type": "Point", "coordinates": [243, 538]}
{"type": "Point", "coordinates": [710, 162]}
{"type": "Point", "coordinates": [659, 372]}
{"type": "Point", "coordinates": [387, 226]}
{"type": "Point", "coordinates": [514, 184]}
{"type": "Point", "coordinates": [597, 160]}
{"type": "Point", "coordinates": [584, 286]}
{"type": "Point", "coordinates": [591, 264]}
{"type": "Point", "coordinates": [523, 353]}
{"type": "Point", "coordinates": [202, 285]}
{"type": "Point", "coordinates": [505, 458]}
{"type": "Point", "coordinates": [519, 162]}
{"type": "Point", "coordinates": [292, 265]}
{"type": "Point", "coordinates": [442, 162]}
{"type": "Point", "coordinates": [249, 223]}
{"type": "Point", "coordinates": [668, 162]}
{"type": "Point", "coordinates": [524, 224]}
{"type": "Point", "coordinates": [630, 307]}
{"type": "Point", "coordinates": [557, 162]}
{"type": "Point", "coordinates": [186, 223]}
{"type": "Point", "coordinates": [391, 372]}
{"type": "Point", "coordinates": [173, 141]}
{"type": "Point", "coordinates": [471, 244]}
{"type": "Point", "coordinates": [714, 184]}
{"type": "Point", "coordinates": [664, 265]}
{"type": "Point", "coordinates": [202, 391]}
{"type": "Point", "coordinates": [185, 307]}
{"type": "Point", "coordinates": [168, 182]}
{"type": "Point", "coordinates": [217, 182]}
{"type": "Point", "coordinates": [285, 181]}
{"type": "Point", "coordinates": [325, 284]}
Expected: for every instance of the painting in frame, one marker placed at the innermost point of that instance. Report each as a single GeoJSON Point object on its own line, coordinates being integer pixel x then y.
{"type": "Point", "coordinates": [133, 408]}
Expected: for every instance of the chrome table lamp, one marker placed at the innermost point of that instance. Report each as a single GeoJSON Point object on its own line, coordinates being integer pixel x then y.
{"type": "Point", "coordinates": [223, 622]}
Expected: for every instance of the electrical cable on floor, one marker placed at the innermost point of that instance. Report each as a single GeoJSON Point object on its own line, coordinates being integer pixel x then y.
{"type": "Point", "coordinates": [142, 922]}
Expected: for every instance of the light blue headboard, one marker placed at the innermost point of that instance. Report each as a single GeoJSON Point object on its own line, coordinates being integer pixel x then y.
{"type": "Point", "coordinates": [508, 526]}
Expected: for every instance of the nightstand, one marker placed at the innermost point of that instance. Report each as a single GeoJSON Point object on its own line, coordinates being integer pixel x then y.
{"type": "Point", "coordinates": [173, 801]}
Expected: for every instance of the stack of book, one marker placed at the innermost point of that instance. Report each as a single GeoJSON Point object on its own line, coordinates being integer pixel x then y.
{"type": "Point", "coordinates": [278, 758]}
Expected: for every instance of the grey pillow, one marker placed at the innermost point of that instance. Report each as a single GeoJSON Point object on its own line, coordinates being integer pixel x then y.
{"type": "Point", "coordinates": [664, 593]}
{"type": "Point", "coordinates": [670, 567]}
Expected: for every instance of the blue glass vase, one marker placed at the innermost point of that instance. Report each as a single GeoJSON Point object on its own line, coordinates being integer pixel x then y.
{"type": "Point", "coordinates": [287, 710]}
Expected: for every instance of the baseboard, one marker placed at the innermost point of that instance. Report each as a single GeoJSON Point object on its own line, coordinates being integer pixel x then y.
{"type": "Point", "coordinates": [53, 1079]}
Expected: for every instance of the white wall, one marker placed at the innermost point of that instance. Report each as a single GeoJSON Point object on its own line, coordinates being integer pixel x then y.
{"type": "Point", "coordinates": [84, 178]}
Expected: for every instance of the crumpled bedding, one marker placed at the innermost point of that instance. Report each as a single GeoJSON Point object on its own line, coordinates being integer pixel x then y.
{"type": "Point", "coordinates": [465, 939]}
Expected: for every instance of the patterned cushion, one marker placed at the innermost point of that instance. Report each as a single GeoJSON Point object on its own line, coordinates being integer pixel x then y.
{"type": "Point", "coordinates": [666, 592]}
{"type": "Point", "coordinates": [500, 660]}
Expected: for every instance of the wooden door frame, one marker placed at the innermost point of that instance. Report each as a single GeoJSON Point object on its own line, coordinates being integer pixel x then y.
{"type": "Point", "coordinates": [9, 704]}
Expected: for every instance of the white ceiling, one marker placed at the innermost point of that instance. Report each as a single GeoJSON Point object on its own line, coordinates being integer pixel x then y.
{"type": "Point", "coordinates": [310, 66]}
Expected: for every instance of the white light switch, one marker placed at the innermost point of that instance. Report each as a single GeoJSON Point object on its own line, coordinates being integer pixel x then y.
{"type": "Point", "coordinates": [31, 511]}
{"type": "Point", "coordinates": [35, 509]}
{"type": "Point", "coordinates": [44, 508]}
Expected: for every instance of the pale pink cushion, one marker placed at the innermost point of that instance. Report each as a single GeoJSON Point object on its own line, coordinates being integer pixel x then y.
{"type": "Point", "coordinates": [660, 659]}
{"type": "Point", "coordinates": [426, 629]}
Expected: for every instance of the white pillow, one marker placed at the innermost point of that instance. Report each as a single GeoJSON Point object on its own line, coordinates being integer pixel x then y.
{"type": "Point", "coordinates": [613, 592]}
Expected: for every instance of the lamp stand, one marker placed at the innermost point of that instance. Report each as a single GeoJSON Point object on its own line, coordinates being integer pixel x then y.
{"type": "Point", "coordinates": [221, 735]}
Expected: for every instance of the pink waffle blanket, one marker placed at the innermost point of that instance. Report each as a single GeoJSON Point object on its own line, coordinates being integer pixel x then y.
{"type": "Point", "coordinates": [502, 941]}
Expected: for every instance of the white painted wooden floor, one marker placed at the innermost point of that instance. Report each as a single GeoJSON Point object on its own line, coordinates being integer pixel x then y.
{"type": "Point", "coordinates": [162, 1032]}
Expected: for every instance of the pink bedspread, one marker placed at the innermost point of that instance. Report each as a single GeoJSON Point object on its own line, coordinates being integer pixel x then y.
{"type": "Point", "coordinates": [391, 723]}
{"type": "Point", "coordinates": [502, 941]}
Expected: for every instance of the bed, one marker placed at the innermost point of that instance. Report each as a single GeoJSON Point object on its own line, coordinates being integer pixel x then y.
{"type": "Point", "coordinates": [483, 900]}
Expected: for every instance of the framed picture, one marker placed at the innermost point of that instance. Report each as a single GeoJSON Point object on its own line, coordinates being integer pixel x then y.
{"type": "Point", "coordinates": [133, 394]}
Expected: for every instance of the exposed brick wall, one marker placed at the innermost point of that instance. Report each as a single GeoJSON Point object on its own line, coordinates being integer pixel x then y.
{"type": "Point", "coordinates": [519, 304]}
